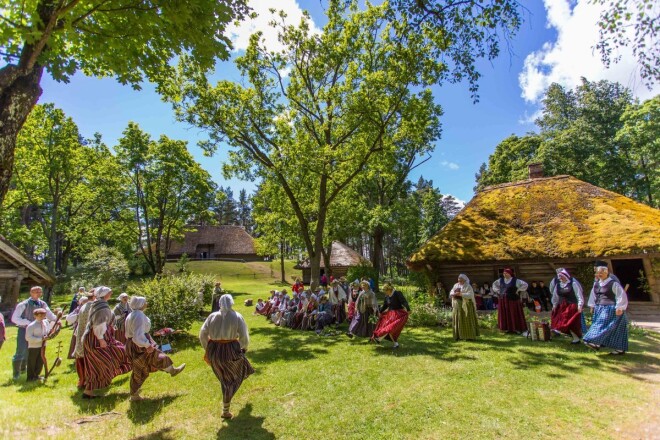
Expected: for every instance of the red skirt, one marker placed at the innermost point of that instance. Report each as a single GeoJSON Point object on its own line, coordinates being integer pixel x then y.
{"type": "Point", "coordinates": [565, 318]}
{"type": "Point", "coordinates": [510, 315]}
{"type": "Point", "coordinates": [391, 323]}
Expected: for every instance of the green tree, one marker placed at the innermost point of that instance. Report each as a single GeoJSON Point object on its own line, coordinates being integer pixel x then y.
{"type": "Point", "coordinates": [617, 20]}
{"type": "Point", "coordinates": [334, 100]}
{"type": "Point", "coordinates": [509, 161]}
{"type": "Point", "coordinates": [132, 40]}
{"type": "Point", "coordinates": [244, 209]}
{"type": "Point", "coordinates": [641, 131]}
{"type": "Point", "coordinates": [165, 188]}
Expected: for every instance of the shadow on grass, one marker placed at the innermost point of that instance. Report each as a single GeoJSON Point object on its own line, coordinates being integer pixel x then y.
{"type": "Point", "coordinates": [161, 434]}
{"type": "Point", "coordinates": [245, 426]}
{"type": "Point", "coordinates": [145, 410]}
{"type": "Point", "coordinates": [289, 345]}
{"type": "Point", "coordinates": [102, 404]}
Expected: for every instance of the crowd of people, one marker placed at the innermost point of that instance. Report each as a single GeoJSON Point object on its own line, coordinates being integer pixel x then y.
{"type": "Point", "coordinates": [336, 302]}
{"type": "Point", "coordinates": [108, 342]}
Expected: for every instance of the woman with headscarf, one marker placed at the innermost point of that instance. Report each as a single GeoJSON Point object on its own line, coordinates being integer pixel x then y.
{"type": "Point", "coordinates": [608, 301]}
{"type": "Point", "coordinates": [121, 311]}
{"type": "Point", "coordinates": [309, 317]}
{"type": "Point", "coordinates": [464, 310]}
{"type": "Point", "coordinates": [567, 302]}
{"type": "Point", "coordinates": [366, 306]}
{"type": "Point", "coordinates": [393, 316]}
{"type": "Point", "coordinates": [81, 325]}
{"type": "Point", "coordinates": [352, 300]}
{"type": "Point", "coordinates": [324, 317]}
{"type": "Point", "coordinates": [105, 357]}
{"type": "Point", "coordinates": [510, 314]}
{"type": "Point", "coordinates": [142, 350]}
{"type": "Point", "coordinates": [224, 337]}
{"type": "Point", "coordinates": [72, 320]}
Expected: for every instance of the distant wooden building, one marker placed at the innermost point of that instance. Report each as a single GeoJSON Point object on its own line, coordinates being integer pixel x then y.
{"type": "Point", "coordinates": [537, 225]}
{"type": "Point", "coordinates": [342, 258]}
{"type": "Point", "coordinates": [226, 242]}
{"type": "Point", "coordinates": [17, 270]}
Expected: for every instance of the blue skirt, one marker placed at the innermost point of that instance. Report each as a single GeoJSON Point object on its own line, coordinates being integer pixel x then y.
{"type": "Point", "coordinates": [607, 329]}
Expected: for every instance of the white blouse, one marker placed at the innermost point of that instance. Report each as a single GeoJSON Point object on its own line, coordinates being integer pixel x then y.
{"type": "Point", "coordinates": [466, 290]}
{"type": "Point", "coordinates": [137, 326]}
{"type": "Point", "coordinates": [577, 288]}
{"type": "Point", "coordinates": [520, 285]}
{"type": "Point", "coordinates": [227, 327]}
{"type": "Point", "coordinates": [621, 297]}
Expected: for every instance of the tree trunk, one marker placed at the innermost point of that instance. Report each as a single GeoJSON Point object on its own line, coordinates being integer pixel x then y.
{"type": "Point", "coordinates": [327, 253]}
{"type": "Point", "coordinates": [282, 261]}
{"type": "Point", "coordinates": [376, 257]}
{"type": "Point", "coordinates": [18, 95]}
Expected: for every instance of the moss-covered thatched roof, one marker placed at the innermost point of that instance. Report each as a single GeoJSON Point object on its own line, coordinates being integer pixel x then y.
{"type": "Point", "coordinates": [548, 218]}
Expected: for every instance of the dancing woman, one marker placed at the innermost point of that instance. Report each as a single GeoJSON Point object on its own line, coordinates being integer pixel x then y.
{"type": "Point", "coordinates": [225, 339]}
{"type": "Point", "coordinates": [394, 315]}
{"type": "Point", "coordinates": [567, 302]}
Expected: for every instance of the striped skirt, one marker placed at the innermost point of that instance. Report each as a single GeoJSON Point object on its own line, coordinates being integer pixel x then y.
{"type": "Point", "coordinates": [607, 329]}
{"type": "Point", "coordinates": [391, 323]}
{"type": "Point", "coordinates": [144, 363]}
{"type": "Point", "coordinates": [103, 364]}
{"type": "Point", "coordinates": [565, 318]}
{"type": "Point", "coordinates": [510, 315]}
{"type": "Point", "coordinates": [229, 364]}
{"type": "Point", "coordinates": [464, 324]}
{"type": "Point", "coordinates": [120, 334]}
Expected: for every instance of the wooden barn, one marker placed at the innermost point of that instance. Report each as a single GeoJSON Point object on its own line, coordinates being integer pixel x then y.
{"type": "Point", "coordinates": [18, 270]}
{"type": "Point", "coordinates": [342, 258]}
{"type": "Point", "coordinates": [537, 225]}
{"type": "Point", "coordinates": [226, 242]}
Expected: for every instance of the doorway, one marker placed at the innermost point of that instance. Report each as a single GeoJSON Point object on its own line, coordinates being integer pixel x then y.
{"type": "Point", "coordinates": [628, 272]}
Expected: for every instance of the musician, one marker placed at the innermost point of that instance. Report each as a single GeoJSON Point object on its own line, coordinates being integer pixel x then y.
{"type": "Point", "coordinates": [23, 315]}
{"type": "Point", "coordinates": [35, 333]}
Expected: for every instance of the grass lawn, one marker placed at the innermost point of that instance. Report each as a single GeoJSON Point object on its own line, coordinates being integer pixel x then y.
{"type": "Point", "coordinates": [310, 387]}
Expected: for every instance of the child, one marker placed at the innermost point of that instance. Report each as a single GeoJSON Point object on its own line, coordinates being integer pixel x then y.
{"type": "Point", "coordinates": [35, 333]}
{"type": "Point", "coordinates": [259, 307]}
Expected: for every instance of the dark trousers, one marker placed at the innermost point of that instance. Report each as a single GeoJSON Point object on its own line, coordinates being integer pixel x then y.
{"type": "Point", "coordinates": [21, 346]}
{"type": "Point", "coordinates": [34, 363]}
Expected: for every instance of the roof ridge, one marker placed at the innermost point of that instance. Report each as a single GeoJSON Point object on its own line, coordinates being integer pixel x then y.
{"type": "Point", "coordinates": [527, 181]}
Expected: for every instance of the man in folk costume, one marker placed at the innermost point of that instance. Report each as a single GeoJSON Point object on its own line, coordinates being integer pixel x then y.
{"type": "Point", "coordinates": [464, 310]}
{"type": "Point", "coordinates": [121, 311]}
{"type": "Point", "coordinates": [510, 314]}
{"type": "Point", "coordinates": [23, 315]}
{"type": "Point", "coordinates": [567, 303]}
{"type": "Point", "coordinates": [608, 301]}
{"type": "Point", "coordinates": [393, 316]}
{"type": "Point", "coordinates": [81, 326]}
{"type": "Point", "coordinates": [142, 350]}
{"type": "Point", "coordinates": [224, 337]}
{"type": "Point", "coordinates": [105, 357]}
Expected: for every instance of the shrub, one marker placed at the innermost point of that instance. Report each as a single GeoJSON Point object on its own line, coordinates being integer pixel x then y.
{"type": "Point", "coordinates": [360, 271]}
{"type": "Point", "coordinates": [182, 263]}
{"type": "Point", "coordinates": [103, 266]}
{"type": "Point", "coordinates": [423, 315]}
{"type": "Point", "coordinates": [487, 320]}
{"type": "Point", "coordinates": [173, 301]}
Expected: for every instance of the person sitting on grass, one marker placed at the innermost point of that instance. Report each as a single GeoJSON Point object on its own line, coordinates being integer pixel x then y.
{"type": "Point", "coordinates": [259, 307]}
{"type": "Point", "coordinates": [296, 320]}
{"type": "Point", "coordinates": [309, 318]}
{"type": "Point", "coordinates": [324, 316]}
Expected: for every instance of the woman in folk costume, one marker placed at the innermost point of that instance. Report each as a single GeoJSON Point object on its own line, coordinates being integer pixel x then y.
{"type": "Point", "coordinates": [72, 320]}
{"type": "Point", "coordinates": [224, 337]}
{"type": "Point", "coordinates": [337, 297]}
{"type": "Point", "coordinates": [142, 350]}
{"type": "Point", "coordinates": [296, 321]}
{"type": "Point", "coordinates": [366, 306]}
{"type": "Point", "coordinates": [394, 315]}
{"type": "Point", "coordinates": [609, 302]}
{"type": "Point", "coordinates": [464, 311]}
{"type": "Point", "coordinates": [121, 311]}
{"type": "Point", "coordinates": [290, 312]}
{"type": "Point", "coordinates": [105, 357]}
{"type": "Point", "coordinates": [510, 314]}
{"type": "Point", "coordinates": [324, 317]}
{"type": "Point", "coordinates": [352, 300]}
{"type": "Point", "coordinates": [567, 303]}
{"type": "Point", "coordinates": [309, 317]}
{"type": "Point", "coordinates": [277, 313]}
{"type": "Point", "coordinates": [81, 325]}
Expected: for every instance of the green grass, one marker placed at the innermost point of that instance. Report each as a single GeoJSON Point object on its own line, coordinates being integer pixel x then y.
{"type": "Point", "coordinates": [306, 386]}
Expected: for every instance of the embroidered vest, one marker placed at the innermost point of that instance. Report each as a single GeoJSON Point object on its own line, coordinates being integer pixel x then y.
{"type": "Point", "coordinates": [567, 294]}
{"type": "Point", "coordinates": [605, 294]}
{"type": "Point", "coordinates": [510, 289]}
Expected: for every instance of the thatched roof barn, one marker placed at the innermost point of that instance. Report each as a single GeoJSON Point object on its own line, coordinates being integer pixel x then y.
{"type": "Point", "coordinates": [17, 269]}
{"type": "Point", "coordinates": [227, 242]}
{"type": "Point", "coordinates": [342, 258]}
{"type": "Point", "coordinates": [539, 224]}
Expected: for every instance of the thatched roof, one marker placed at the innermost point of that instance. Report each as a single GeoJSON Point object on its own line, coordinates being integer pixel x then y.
{"type": "Point", "coordinates": [340, 256]}
{"type": "Point", "coordinates": [226, 240]}
{"type": "Point", "coordinates": [12, 259]}
{"type": "Point", "coordinates": [548, 218]}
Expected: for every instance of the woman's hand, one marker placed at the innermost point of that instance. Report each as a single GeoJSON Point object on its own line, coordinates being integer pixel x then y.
{"type": "Point", "coordinates": [103, 344]}
{"type": "Point", "coordinates": [619, 312]}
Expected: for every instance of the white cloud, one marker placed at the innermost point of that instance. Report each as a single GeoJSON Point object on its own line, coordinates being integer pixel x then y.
{"type": "Point", "coordinates": [460, 202]}
{"type": "Point", "coordinates": [240, 34]}
{"type": "Point", "coordinates": [573, 54]}
{"type": "Point", "coordinates": [450, 165]}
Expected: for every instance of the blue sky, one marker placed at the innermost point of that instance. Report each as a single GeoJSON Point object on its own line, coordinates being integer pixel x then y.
{"type": "Point", "coordinates": [553, 45]}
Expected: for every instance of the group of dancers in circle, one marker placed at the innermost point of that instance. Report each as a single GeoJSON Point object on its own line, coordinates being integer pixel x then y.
{"type": "Point", "coordinates": [336, 303]}
{"type": "Point", "coordinates": [107, 343]}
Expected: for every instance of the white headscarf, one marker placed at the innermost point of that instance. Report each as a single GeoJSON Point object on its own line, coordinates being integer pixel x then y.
{"type": "Point", "coordinates": [102, 291]}
{"type": "Point", "coordinates": [464, 278]}
{"type": "Point", "coordinates": [226, 303]}
{"type": "Point", "coordinates": [137, 302]}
